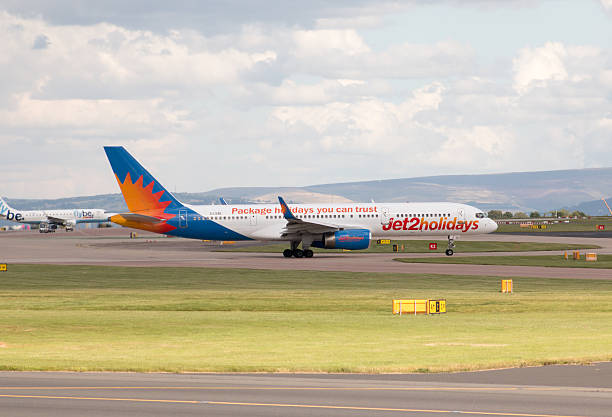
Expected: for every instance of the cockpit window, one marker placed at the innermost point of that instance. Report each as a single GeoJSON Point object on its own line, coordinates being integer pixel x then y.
{"type": "Point", "coordinates": [480, 215]}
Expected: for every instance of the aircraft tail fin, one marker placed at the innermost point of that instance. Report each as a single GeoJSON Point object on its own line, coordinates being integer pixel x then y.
{"type": "Point", "coordinates": [141, 191]}
{"type": "Point", "coordinates": [4, 208]}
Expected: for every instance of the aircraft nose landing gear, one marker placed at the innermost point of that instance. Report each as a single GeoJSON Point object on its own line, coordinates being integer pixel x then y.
{"type": "Point", "coordinates": [451, 246]}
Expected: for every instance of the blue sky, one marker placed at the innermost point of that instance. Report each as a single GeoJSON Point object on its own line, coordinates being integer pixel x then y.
{"type": "Point", "coordinates": [495, 28]}
{"type": "Point", "coordinates": [212, 94]}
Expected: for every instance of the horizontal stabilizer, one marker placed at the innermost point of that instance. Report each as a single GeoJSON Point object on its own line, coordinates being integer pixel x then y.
{"type": "Point", "coordinates": [140, 218]}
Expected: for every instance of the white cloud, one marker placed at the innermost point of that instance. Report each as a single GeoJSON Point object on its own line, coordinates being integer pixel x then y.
{"type": "Point", "coordinates": [105, 116]}
{"type": "Point", "coordinates": [536, 66]}
{"type": "Point", "coordinates": [239, 106]}
{"type": "Point", "coordinates": [314, 43]}
{"type": "Point", "coordinates": [464, 146]}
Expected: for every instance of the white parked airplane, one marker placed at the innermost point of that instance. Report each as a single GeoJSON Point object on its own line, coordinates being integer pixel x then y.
{"type": "Point", "coordinates": [342, 226]}
{"type": "Point", "coordinates": [49, 220]}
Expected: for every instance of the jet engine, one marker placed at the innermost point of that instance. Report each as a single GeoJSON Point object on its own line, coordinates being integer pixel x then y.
{"type": "Point", "coordinates": [353, 239]}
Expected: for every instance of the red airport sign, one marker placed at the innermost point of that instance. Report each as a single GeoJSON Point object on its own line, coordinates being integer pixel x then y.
{"type": "Point", "coordinates": [601, 227]}
{"type": "Point", "coordinates": [433, 246]}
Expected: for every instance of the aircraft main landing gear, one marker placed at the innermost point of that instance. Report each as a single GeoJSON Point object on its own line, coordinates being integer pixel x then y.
{"type": "Point", "coordinates": [297, 253]}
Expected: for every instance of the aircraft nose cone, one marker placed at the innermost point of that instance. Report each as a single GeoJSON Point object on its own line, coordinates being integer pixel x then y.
{"type": "Point", "coordinates": [492, 225]}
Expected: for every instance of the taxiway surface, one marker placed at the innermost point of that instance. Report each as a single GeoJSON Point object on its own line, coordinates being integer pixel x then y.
{"type": "Point", "coordinates": [554, 391]}
{"type": "Point", "coordinates": [112, 247]}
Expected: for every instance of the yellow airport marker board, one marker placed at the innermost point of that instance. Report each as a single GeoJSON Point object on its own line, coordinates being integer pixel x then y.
{"type": "Point", "coordinates": [3, 267]}
{"type": "Point", "coordinates": [437, 307]}
{"type": "Point", "coordinates": [415, 307]}
{"type": "Point", "coordinates": [506, 286]}
{"type": "Point", "coordinates": [384, 241]}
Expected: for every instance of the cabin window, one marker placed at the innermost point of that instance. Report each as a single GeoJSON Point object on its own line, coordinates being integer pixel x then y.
{"type": "Point", "coordinates": [480, 215]}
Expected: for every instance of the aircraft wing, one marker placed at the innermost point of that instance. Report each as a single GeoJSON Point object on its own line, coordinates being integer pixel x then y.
{"type": "Point", "coordinates": [299, 226]}
{"type": "Point", "coordinates": [57, 220]}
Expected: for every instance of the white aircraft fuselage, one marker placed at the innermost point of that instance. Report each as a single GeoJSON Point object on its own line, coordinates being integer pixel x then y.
{"type": "Point", "coordinates": [59, 217]}
{"type": "Point", "coordinates": [267, 222]}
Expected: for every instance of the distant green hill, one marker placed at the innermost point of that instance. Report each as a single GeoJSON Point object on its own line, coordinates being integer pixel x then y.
{"type": "Point", "coordinates": [543, 191]}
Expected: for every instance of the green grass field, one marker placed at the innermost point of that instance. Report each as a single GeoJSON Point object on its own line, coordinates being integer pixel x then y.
{"type": "Point", "coordinates": [196, 319]}
{"type": "Point", "coordinates": [603, 261]}
{"type": "Point", "coordinates": [422, 246]}
{"type": "Point", "coordinates": [582, 225]}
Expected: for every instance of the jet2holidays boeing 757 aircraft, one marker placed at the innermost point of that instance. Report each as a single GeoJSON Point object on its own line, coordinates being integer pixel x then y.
{"type": "Point", "coordinates": [341, 226]}
{"type": "Point", "coordinates": [48, 220]}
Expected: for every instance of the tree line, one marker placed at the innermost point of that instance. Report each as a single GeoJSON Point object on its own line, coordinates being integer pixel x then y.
{"type": "Point", "coordinates": [499, 214]}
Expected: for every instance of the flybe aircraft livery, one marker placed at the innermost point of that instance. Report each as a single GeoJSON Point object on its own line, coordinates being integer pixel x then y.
{"type": "Point", "coordinates": [342, 226]}
{"type": "Point", "coordinates": [48, 220]}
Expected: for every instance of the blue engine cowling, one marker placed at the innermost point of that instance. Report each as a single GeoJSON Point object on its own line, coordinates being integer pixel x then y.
{"type": "Point", "coordinates": [353, 239]}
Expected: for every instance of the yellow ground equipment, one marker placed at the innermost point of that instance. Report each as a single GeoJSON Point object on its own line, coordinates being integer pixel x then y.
{"type": "Point", "coordinates": [506, 286]}
{"type": "Point", "coordinates": [538, 226]}
{"type": "Point", "coordinates": [591, 257]}
{"type": "Point", "coordinates": [415, 307]}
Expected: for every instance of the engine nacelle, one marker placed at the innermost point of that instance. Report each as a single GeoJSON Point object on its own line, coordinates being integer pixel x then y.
{"type": "Point", "coordinates": [353, 239]}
